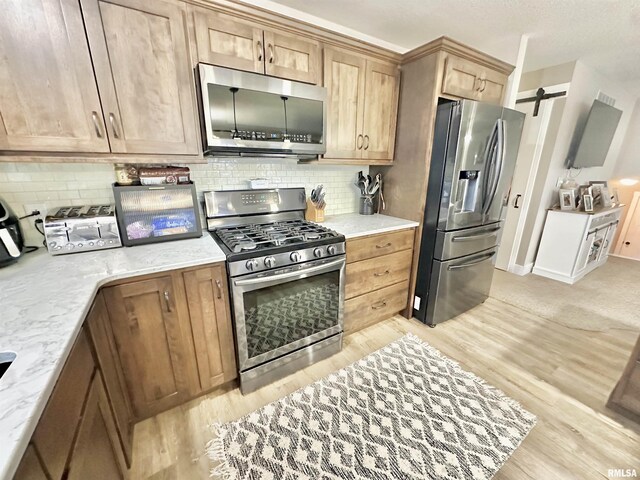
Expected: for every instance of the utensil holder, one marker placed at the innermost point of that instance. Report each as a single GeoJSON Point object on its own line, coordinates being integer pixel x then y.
{"type": "Point", "coordinates": [313, 213]}
{"type": "Point", "coordinates": [366, 205]}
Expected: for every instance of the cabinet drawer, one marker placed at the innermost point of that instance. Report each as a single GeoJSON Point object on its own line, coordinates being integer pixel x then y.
{"type": "Point", "coordinates": [375, 273]}
{"type": "Point", "coordinates": [55, 432]}
{"type": "Point", "coordinates": [365, 310]}
{"type": "Point", "coordinates": [379, 245]}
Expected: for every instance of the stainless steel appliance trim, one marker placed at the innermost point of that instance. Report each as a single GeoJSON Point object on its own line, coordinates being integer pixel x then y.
{"type": "Point", "coordinates": [471, 264]}
{"type": "Point", "coordinates": [221, 203]}
{"type": "Point", "coordinates": [262, 375]}
{"type": "Point", "coordinates": [236, 221]}
{"type": "Point", "coordinates": [470, 238]}
{"type": "Point", "coordinates": [284, 259]}
{"type": "Point", "coordinates": [239, 314]}
{"type": "Point", "coordinates": [499, 163]}
{"type": "Point", "coordinates": [275, 279]}
{"type": "Point", "coordinates": [263, 83]}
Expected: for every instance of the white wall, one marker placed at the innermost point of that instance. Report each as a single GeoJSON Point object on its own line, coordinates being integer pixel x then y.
{"type": "Point", "coordinates": [585, 83]}
{"type": "Point", "coordinates": [628, 164]}
{"type": "Point", "coordinates": [26, 186]}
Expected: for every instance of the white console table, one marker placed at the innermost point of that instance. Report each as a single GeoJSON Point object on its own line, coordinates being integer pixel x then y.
{"type": "Point", "coordinates": [574, 242]}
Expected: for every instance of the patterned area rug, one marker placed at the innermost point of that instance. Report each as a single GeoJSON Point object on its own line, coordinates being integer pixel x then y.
{"type": "Point", "coordinates": [403, 412]}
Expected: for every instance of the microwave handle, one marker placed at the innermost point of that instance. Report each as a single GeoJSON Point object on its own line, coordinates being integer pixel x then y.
{"type": "Point", "coordinates": [284, 276]}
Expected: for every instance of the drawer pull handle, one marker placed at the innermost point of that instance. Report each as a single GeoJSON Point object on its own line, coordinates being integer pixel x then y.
{"type": "Point", "coordinates": [168, 301]}
{"type": "Point", "coordinates": [388, 244]}
{"type": "Point", "coordinates": [96, 124]}
{"type": "Point", "coordinates": [359, 142]}
{"type": "Point", "coordinates": [219, 289]}
{"type": "Point", "coordinates": [259, 45]}
{"type": "Point", "coordinates": [381, 274]}
{"type": "Point", "coordinates": [379, 305]}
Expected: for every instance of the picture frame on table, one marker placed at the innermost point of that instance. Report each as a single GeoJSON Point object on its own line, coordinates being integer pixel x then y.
{"type": "Point", "coordinates": [605, 200]}
{"type": "Point", "coordinates": [597, 187]}
{"type": "Point", "coordinates": [587, 202]}
{"type": "Point", "coordinates": [567, 199]}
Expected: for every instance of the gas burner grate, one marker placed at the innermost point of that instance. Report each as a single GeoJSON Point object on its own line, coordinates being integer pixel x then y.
{"type": "Point", "coordinates": [261, 236]}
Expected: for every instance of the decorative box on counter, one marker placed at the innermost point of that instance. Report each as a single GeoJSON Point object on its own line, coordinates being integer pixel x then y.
{"type": "Point", "coordinates": [158, 213]}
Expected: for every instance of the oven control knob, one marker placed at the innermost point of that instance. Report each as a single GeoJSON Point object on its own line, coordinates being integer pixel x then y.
{"type": "Point", "coordinates": [317, 252]}
{"type": "Point", "coordinates": [331, 250]}
{"type": "Point", "coordinates": [69, 246]}
{"type": "Point", "coordinates": [100, 243]}
{"type": "Point", "coordinates": [252, 264]}
{"type": "Point", "coordinates": [269, 262]}
{"type": "Point", "coordinates": [295, 256]}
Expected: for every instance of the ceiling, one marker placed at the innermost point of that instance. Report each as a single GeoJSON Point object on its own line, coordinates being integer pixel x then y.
{"type": "Point", "coordinates": [604, 34]}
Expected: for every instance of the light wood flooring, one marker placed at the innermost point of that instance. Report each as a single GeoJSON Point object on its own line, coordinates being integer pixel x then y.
{"type": "Point", "coordinates": [562, 375]}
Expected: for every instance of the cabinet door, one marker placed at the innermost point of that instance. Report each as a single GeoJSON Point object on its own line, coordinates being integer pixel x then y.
{"type": "Point", "coordinates": [461, 78]}
{"type": "Point", "coordinates": [48, 94]}
{"type": "Point", "coordinates": [141, 60]}
{"type": "Point", "coordinates": [30, 467]}
{"type": "Point", "coordinates": [291, 57]}
{"type": "Point", "coordinates": [583, 255]}
{"type": "Point", "coordinates": [223, 40]}
{"type": "Point", "coordinates": [99, 327]}
{"type": "Point", "coordinates": [492, 86]}
{"type": "Point", "coordinates": [95, 451]}
{"type": "Point", "coordinates": [380, 110]}
{"type": "Point", "coordinates": [208, 301]}
{"type": "Point", "coordinates": [608, 241]}
{"type": "Point", "coordinates": [344, 78]}
{"type": "Point", "coordinates": [150, 342]}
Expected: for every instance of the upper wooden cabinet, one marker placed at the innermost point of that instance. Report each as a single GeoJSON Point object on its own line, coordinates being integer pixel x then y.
{"type": "Point", "coordinates": [151, 337]}
{"type": "Point", "coordinates": [48, 95]}
{"type": "Point", "coordinates": [207, 295]}
{"type": "Point", "coordinates": [361, 108]}
{"type": "Point", "coordinates": [467, 79]}
{"type": "Point", "coordinates": [142, 66]}
{"type": "Point", "coordinates": [227, 41]}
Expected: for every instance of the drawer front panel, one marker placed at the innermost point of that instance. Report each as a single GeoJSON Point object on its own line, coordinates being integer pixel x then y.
{"type": "Point", "coordinates": [378, 245]}
{"type": "Point", "coordinates": [365, 310]}
{"type": "Point", "coordinates": [375, 273]}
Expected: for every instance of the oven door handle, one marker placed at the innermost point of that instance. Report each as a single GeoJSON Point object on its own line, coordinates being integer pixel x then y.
{"type": "Point", "coordinates": [284, 276]}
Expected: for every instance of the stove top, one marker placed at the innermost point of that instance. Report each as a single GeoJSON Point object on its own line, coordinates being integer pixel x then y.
{"type": "Point", "coordinates": [259, 237]}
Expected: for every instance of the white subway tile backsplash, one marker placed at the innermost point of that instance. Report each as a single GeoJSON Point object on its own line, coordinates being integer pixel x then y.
{"type": "Point", "coordinates": [56, 184]}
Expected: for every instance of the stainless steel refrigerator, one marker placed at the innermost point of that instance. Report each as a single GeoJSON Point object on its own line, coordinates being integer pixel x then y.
{"type": "Point", "coordinates": [472, 162]}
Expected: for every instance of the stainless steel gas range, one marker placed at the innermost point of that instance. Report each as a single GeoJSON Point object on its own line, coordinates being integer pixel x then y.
{"type": "Point", "coordinates": [286, 277]}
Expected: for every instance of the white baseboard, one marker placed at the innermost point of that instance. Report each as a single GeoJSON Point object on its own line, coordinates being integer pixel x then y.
{"type": "Point", "coordinates": [522, 269]}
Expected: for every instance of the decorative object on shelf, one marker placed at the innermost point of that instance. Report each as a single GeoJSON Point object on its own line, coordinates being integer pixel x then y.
{"type": "Point", "coordinates": [567, 199]}
{"type": "Point", "coordinates": [615, 197]}
{"type": "Point", "coordinates": [587, 202]}
{"type": "Point", "coordinates": [605, 197]}
{"type": "Point", "coordinates": [164, 175]}
{"type": "Point", "coordinates": [596, 191]}
{"type": "Point", "coordinates": [316, 205]}
{"type": "Point", "coordinates": [126, 174]}
{"type": "Point", "coordinates": [366, 205]}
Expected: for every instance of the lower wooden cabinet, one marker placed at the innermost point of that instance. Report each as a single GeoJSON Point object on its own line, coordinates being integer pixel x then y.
{"type": "Point", "coordinates": [152, 341]}
{"type": "Point", "coordinates": [207, 295]}
{"type": "Point", "coordinates": [76, 437]}
{"type": "Point", "coordinates": [97, 452]}
{"type": "Point", "coordinates": [377, 278]}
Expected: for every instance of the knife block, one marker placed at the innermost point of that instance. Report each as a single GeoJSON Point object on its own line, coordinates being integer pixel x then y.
{"type": "Point", "coordinates": [313, 213]}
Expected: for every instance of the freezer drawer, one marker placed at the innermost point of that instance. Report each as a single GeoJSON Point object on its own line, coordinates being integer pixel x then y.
{"type": "Point", "coordinates": [459, 285]}
{"type": "Point", "coordinates": [463, 242]}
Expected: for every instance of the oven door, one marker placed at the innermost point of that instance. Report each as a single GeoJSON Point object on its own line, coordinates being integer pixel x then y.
{"type": "Point", "coordinates": [283, 310]}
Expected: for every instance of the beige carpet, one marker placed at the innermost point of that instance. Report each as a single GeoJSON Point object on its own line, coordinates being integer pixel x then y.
{"type": "Point", "coordinates": [607, 298]}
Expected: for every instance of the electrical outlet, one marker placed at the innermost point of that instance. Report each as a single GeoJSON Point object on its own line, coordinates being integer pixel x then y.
{"type": "Point", "coordinates": [30, 207]}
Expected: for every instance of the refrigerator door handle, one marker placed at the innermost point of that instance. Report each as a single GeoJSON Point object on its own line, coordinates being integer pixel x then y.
{"type": "Point", "coordinates": [499, 159]}
{"type": "Point", "coordinates": [471, 264]}
{"type": "Point", "coordinates": [470, 238]}
{"type": "Point", "coordinates": [488, 161]}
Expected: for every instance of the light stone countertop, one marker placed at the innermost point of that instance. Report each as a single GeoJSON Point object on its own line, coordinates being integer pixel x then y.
{"type": "Point", "coordinates": [353, 225]}
{"type": "Point", "coordinates": [44, 301]}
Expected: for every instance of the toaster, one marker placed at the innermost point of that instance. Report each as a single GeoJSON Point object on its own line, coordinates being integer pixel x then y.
{"type": "Point", "coordinates": [81, 229]}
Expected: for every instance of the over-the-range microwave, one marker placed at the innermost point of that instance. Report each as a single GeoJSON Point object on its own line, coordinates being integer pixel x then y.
{"type": "Point", "coordinates": [250, 114]}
